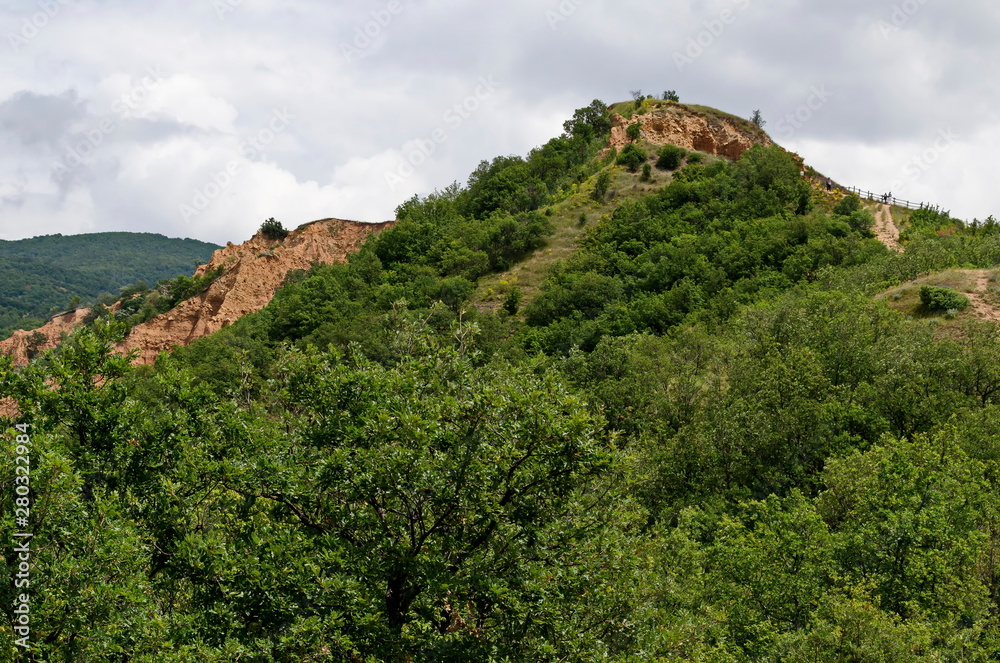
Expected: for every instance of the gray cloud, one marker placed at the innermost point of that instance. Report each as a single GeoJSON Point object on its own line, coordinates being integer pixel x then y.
{"type": "Point", "coordinates": [364, 83]}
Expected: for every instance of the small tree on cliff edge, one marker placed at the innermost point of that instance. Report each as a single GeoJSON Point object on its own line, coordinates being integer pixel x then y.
{"type": "Point", "coordinates": [758, 119]}
{"type": "Point", "coordinates": [273, 230]}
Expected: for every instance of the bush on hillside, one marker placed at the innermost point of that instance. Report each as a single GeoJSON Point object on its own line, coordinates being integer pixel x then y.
{"type": "Point", "coordinates": [273, 230]}
{"type": "Point", "coordinates": [633, 132]}
{"type": "Point", "coordinates": [848, 205]}
{"type": "Point", "coordinates": [601, 186]}
{"type": "Point", "coordinates": [632, 157]}
{"type": "Point", "coordinates": [936, 298]}
{"type": "Point", "coordinates": [670, 157]}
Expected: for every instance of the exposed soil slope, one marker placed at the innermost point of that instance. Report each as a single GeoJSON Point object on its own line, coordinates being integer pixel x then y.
{"type": "Point", "coordinates": [688, 129]}
{"type": "Point", "coordinates": [253, 271]}
{"type": "Point", "coordinates": [22, 345]}
{"type": "Point", "coordinates": [979, 298]}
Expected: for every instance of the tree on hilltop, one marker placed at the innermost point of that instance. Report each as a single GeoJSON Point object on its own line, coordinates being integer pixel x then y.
{"type": "Point", "coordinates": [273, 229]}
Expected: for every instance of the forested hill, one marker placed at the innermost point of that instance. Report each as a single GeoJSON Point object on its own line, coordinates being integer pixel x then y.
{"type": "Point", "coordinates": [42, 275]}
{"type": "Point", "coordinates": [636, 405]}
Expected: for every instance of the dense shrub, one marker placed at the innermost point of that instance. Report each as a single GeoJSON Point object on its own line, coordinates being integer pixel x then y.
{"type": "Point", "coordinates": [848, 205]}
{"type": "Point", "coordinates": [632, 157]}
{"type": "Point", "coordinates": [935, 298]}
{"type": "Point", "coordinates": [601, 186]}
{"type": "Point", "coordinates": [273, 230]}
{"type": "Point", "coordinates": [670, 157]}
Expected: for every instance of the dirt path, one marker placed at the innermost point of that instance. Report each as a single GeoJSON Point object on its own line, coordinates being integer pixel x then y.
{"type": "Point", "coordinates": [885, 230]}
{"type": "Point", "coordinates": [980, 307]}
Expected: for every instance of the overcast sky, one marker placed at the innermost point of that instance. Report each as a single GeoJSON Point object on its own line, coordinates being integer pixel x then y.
{"type": "Point", "coordinates": [201, 118]}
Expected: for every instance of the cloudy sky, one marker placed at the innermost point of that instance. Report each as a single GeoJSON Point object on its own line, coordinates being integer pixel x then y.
{"type": "Point", "coordinates": [201, 118]}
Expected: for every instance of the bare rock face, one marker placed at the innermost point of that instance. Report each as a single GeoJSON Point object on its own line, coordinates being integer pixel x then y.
{"type": "Point", "coordinates": [690, 130]}
{"type": "Point", "coordinates": [23, 345]}
{"type": "Point", "coordinates": [253, 272]}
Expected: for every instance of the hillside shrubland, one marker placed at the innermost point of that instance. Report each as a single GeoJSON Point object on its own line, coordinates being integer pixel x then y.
{"type": "Point", "coordinates": [700, 439]}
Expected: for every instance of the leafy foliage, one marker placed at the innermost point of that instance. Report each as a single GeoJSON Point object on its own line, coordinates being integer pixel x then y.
{"type": "Point", "coordinates": [273, 230]}
{"type": "Point", "coordinates": [137, 304]}
{"type": "Point", "coordinates": [670, 157]}
{"type": "Point", "coordinates": [41, 276]}
{"type": "Point", "coordinates": [936, 298]}
{"type": "Point", "coordinates": [632, 157]}
{"type": "Point", "coordinates": [700, 439]}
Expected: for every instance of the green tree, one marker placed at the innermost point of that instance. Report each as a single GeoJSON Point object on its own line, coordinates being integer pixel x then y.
{"type": "Point", "coordinates": [589, 122]}
{"type": "Point", "coordinates": [936, 298]}
{"type": "Point", "coordinates": [601, 185]}
{"type": "Point", "coordinates": [632, 157]}
{"type": "Point", "coordinates": [436, 482]}
{"type": "Point", "coordinates": [273, 230]}
{"type": "Point", "coordinates": [670, 157]}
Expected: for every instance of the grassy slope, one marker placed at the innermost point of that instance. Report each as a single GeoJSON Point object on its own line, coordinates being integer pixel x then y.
{"type": "Point", "coordinates": [568, 229]}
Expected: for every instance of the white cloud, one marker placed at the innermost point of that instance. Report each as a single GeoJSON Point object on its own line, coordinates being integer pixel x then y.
{"type": "Point", "coordinates": [220, 81]}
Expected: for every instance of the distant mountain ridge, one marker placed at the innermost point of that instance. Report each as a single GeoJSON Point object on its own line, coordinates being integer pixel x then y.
{"type": "Point", "coordinates": [40, 276]}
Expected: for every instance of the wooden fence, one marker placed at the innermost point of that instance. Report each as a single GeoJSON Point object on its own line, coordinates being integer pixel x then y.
{"type": "Point", "coordinates": [880, 197]}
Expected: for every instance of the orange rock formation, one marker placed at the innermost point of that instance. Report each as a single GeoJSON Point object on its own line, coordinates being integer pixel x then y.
{"type": "Point", "coordinates": [688, 129]}
{"type": "Point", "coordinates": [253, 271]}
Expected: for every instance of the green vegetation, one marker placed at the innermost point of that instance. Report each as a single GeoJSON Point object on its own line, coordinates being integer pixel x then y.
{"type": "Point", "coordinates": [601, 186]}
{"type": "Point", "coordinates": [633, 132]}
{"type": "Point", "coordinates": [138, 304]}
{"type": "Point", "coordinates": [670, 157]}
{"type": "Point", "coordinates": [45, 275]}
{"type": "Point", "coordinates": [935, 298]}
{"type": "Point", "coordinates": [632, 156]}
{"type": "Point", "coordinates": [273, 230]}
{"type": "Point", "coordinates": [696, 437]}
